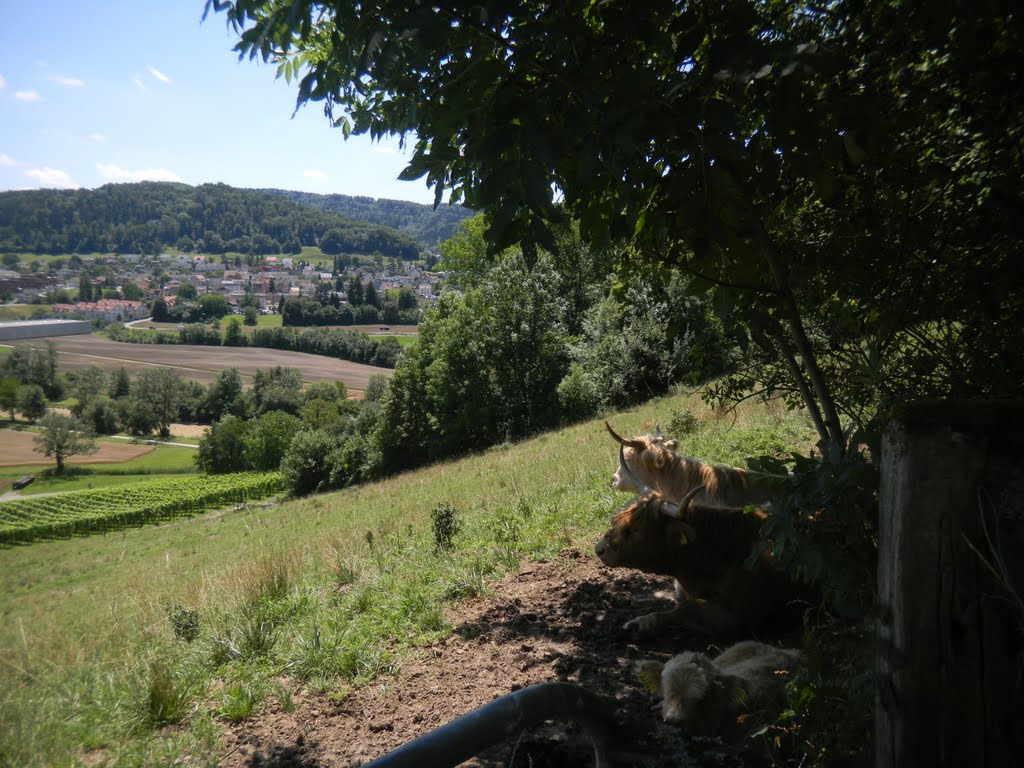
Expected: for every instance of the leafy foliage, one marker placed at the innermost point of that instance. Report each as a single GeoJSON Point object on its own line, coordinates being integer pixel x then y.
{"type": "Point", "coordinates": [841, 179]}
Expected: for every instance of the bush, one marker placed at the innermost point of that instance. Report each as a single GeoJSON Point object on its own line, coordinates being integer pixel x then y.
{"type": "Point", "coordinates": [185, 623]}
{"type": "Point", "coordinates": [578, 396]}
{"type": "Point", "coordinates": [445, 520]}
{"type": "Point", "coordinates": [307, 464]}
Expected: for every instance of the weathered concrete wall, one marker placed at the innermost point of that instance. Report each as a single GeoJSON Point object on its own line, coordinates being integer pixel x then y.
{"type": "Point", "coordinates": [950, 582]}
{"type": "Point", "coordinates": [40, 329]}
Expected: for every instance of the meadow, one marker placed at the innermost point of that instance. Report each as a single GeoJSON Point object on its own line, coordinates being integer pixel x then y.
{"type": "Point", "coordinates": [106, 639]}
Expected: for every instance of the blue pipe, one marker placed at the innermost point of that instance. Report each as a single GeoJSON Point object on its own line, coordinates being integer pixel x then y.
{"type": "Point", "coordinates": [502, 719]}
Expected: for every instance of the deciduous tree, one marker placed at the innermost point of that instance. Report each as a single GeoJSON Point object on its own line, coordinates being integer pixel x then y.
{"type": "Point", "coordinates": [62, 436]}
{"type": "Point", "coordinates": [158, 391]}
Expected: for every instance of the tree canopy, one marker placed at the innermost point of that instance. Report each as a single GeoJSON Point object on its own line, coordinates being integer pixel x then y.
{"type": "Point", "coordinates": [843, 178]}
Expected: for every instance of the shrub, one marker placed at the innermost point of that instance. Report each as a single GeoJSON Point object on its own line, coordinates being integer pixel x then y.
{"type": "Point", "coordinates": [185, 622]}
{"type": "Point", "coordinates": [307, 463]}
{"type": "Point", "coordinates": [446, 523]}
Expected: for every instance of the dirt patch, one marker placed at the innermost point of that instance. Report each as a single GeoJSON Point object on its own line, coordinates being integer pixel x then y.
{"type": "Point", "coordinates": [551, 621]}
{"type": "Point", "coordinates": [188, 430]}
{"type": "Point", "coordinates": [200, 363]}
{"type": "Point", "coordinates": [16, 448]}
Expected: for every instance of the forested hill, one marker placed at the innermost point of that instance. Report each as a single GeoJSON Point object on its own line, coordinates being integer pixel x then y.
{"type": "Point", "coordinates": [147, 217]}
{"type": "Point", "coordinates": [428, 226]}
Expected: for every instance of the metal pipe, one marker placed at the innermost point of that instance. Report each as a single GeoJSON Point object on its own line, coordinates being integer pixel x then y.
{"type": "Point", "coordinates": [500, 720]}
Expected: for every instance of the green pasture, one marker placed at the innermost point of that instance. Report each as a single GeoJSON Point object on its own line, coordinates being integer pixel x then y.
{"type": "Point", "coordinates": [406, 340]}
{"type": "Point", "coordinates": [316, 594]}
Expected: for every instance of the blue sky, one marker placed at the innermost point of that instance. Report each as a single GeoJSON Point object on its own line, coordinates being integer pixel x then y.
{"type": "Point", "coordinates": [123, 90]}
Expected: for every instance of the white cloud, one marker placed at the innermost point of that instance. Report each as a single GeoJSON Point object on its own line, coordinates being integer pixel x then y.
{"type": "Point", "coordinates": [116, 173]}
{"type": "Point", "coordinates": [50, 177]}
{"type": "Point", "coordinates": [159, 75]}
{"type": "Point", "coordinates": [139, 84]}
{"type": "Point", "coordinates": [311, 174]}
{"type": "Point", "coordinates": [98, 137]}
{"type": "Point", "coordinates": [6, 161]}
{"type": "Point", "coordinates": [3, 83]}
{"type": "Point", "coordinates": [70, 82]}
{"type": "Point", "coordinates": [26, 95]}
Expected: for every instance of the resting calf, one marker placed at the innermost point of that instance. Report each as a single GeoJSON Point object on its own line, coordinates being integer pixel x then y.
{"type": "Point", "coordinates": [729, 696]}
{"type": "Point", "coordinates": [705, 549]}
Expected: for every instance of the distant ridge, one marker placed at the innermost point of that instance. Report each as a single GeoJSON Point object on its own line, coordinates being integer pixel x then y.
{"type": "Point", "coordinates": [148, 216]}
{"type": "Point", "coordinates": [428, 226]}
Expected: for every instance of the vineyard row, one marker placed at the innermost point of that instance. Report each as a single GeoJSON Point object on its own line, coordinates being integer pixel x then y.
{"type": "Point", "coordinates": [148, 501]}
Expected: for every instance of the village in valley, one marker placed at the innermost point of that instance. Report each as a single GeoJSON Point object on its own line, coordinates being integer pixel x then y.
{"type": "Point", "coordinates": [125, 286]}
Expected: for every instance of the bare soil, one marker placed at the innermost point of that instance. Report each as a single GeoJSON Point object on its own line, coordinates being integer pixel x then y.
{"type": "Point", "coordinates": [552, 621]}
{"type": "Point", "coordinates": [16, 448]}
{"type": "Point", "coordinates": [201, 363]}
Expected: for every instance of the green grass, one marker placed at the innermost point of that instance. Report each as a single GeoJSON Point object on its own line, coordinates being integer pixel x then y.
{"type": "Point", "coordinates": [265, 321]}
{"type": "Point", "coordinates": [91, 648]}
{"type": "Point", "coordinates": [405, 340]}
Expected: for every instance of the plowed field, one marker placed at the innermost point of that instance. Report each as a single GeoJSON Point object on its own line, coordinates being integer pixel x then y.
{"type": "Point", "coordinates": [201, 363]}
{"type": "Point", "coordinates": [16, 448]}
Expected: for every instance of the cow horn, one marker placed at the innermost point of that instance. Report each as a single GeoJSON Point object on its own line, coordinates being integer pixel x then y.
{"type": "Point", "coordinates": [626, 474]}
{"type": "Point", "coordinates": [657, 431]}
{"type": "Point", "coordinates": [637, 445]}
{"type": "Point", "coordinates": [678, 510]}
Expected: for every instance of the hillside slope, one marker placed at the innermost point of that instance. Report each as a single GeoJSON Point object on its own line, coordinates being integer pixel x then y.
{"type": "Point", "coordinates": [303, 599]}
{"type": "Point", "coordinates": [147, 217]}
{"type": "Point", "coordinates": [427, 225]}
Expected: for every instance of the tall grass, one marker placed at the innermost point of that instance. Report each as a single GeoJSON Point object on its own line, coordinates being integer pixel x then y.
{"type": "Point", "coordinates": [319, 594]}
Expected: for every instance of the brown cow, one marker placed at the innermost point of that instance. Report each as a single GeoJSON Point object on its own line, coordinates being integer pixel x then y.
{"type": "Point", "coordinates": [730, 696]}
{"type": "Point", "coordinates": [705, 549]}
{"type": "Point", "coordinates": [650, 463]}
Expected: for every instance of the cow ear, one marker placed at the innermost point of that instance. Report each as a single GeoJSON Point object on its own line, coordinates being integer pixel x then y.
{"type": "Point", "coordinates": [672, 445]}
{"type": "Point", "coordinates": [688, 535]}
{"type": "Point", "coordinates": [650, 675]}
{"type": "Point", "coordinates": [678, 510]}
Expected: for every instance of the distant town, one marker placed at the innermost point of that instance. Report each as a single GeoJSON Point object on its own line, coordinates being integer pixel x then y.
{"type": "Point", "coordinates": [124, 287]}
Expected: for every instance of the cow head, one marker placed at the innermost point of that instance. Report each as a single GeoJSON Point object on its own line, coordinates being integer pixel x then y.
{"type": "Point", "coordinates": [641, 460]}
{"type": "Point", "coordinates": [647, 533]}
{"type": "Point", "coordinates": [682, 685]}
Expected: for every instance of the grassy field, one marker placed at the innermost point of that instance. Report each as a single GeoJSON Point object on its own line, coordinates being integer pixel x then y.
{"type": "Point", "coordinates": [109, 638]}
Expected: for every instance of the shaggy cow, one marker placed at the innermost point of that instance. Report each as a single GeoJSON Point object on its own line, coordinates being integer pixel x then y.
{"type": "Point", "coordinates": [729, 696]}
{"type": "Point", "coordinates": [651, 463]}
{"type": "Point", "coordinates": [705, 549]}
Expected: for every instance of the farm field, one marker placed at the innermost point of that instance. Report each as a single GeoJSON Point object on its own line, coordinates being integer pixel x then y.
{"type": "Point", "coordinates": [118, 462]}
{"type": "Point", "coordinates": [151, 501]}
{"type": "Point", "coordinates": [201, 363]}
{"type": "Point", "coordinates": [16, 448]}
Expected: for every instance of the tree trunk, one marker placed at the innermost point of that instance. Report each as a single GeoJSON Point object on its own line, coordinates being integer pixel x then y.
{"type": "Point", "coordinates": [950, 580]}
{"type": "Point", "coordinates": [60, 463]}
